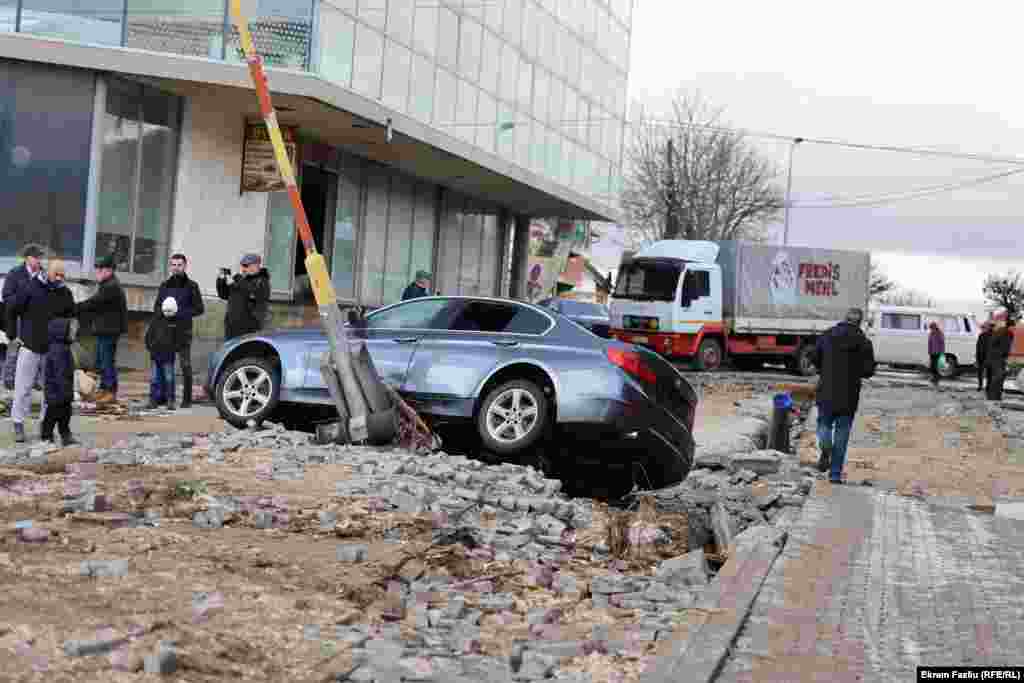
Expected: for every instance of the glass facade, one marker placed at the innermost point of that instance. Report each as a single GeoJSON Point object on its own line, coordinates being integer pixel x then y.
{"type": "Point", "coordinates": [139, 161]}
{"type": "Point", "coordinates": [46, 118]}
{"type": "Point", "coordinates": [556, 70]}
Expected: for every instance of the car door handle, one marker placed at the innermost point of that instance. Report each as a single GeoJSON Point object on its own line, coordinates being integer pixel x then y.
{"type": "Point", "coordinates": [406, 340]}
{"type": "Point", "coordinates": [505, 343]}
{"type": "Point", "coordinates": [707, 312]}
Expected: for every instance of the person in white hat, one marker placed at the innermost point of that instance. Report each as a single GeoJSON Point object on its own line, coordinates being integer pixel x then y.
{"type": "Point", "coordinates": [163, 341]}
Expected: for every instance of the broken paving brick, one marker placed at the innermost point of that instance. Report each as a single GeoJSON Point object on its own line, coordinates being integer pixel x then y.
{"type": "Point", "coordinates": [103, 568]}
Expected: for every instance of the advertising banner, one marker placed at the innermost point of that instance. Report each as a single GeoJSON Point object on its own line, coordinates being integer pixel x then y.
{"type": "Point", "coordinates": [793, 283]}
{"type": "Point", "coordinates": [259, 167]}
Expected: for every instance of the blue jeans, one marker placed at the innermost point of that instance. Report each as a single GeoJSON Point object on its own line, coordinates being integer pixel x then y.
{"type": "Point", "coordinates": [161, 381]}
{"type": "Point", "coordinates": [834, 432]}
{"type": "Point", "coordinates": [106, 364]}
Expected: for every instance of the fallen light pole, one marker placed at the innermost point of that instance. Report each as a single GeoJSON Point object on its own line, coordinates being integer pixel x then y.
{"type": "Point", "coordinates": [368, 410]}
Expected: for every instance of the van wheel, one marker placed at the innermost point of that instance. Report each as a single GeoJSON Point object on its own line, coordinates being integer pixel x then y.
{"type": "Point", "coordinates": [709, 355]}
{"type": "Point", "coordinates": [952, 368]}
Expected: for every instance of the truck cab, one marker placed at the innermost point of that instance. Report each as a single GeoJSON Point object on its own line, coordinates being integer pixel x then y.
{"type": "Point", "coordinates": [669, 298]}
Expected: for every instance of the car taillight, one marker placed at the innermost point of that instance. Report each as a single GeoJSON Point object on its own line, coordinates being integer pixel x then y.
{"type": "Point", "coordinates": [631, 362]}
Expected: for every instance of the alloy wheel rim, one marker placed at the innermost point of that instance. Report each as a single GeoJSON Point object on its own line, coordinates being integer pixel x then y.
{"type": "Point", "coordinates": [512, 416]}
{"type": "Point", "coordinates": [247, 391]}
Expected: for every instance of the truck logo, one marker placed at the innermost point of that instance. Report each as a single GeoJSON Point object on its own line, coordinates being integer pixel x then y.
{"type": "Point", "coordinates": [819, 279]}
{"type": "Point", "coordinates": [782, 281]}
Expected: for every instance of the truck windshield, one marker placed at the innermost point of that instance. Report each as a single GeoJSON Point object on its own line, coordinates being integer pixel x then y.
{"type": "Point", "coordinates": [648, 281]}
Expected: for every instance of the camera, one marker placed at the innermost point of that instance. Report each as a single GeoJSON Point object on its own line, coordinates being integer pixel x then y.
{"type": "Point", "coordinates": [226, 272]}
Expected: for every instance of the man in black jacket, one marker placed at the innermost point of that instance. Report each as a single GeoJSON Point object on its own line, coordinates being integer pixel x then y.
{"type": "Point", "coordinates": [845, 356]}
{"type": "Point", "coordinates": [980, 351]}
{"type": "Point", "coordinates": [15, 280]}
{"type": "Point", "coordinates": [185, 292]}
{"type": "Point", "coordinates": [248, 297]}
{"type": "Point", "coordinates": [418, 287]}
{"type": "Point", "coordinates": [107, 310]}
{"type": "Point", "coordinates": [40, 300]}
{"type": "Point", "coordinates": [997, 355]}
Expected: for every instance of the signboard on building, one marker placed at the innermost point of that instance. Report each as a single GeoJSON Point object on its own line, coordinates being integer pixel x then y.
{"type": "Point", "coordinates": [259, 167]}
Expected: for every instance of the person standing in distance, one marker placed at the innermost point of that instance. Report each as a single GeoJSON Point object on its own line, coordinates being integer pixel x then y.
{"type": "Point", "coordinates": [419, 287]}
{"type": "Point", "coordinates": [980, 351]}
{"type": "Point", "coordinates": [936, 349]}
{"type": "Point", "coordinates": [107, 310]}
{"type": "Point", "coordinates": [248, 297]}
{"type": "Point", "coordinates": [845, 357]}
{"type": "Point", "coordinates": [998, 354]}
{"type": "Point", "coordinates": [185, 292]}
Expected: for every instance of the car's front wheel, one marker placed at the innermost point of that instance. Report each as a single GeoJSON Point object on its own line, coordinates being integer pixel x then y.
{"type": "Point", "coordinates": [248, 390]}
{"type": "Point", "coordinates": [512, 417]}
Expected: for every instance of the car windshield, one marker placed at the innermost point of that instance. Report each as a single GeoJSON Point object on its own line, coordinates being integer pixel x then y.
{"type": "Point", "coordinates": [570, 307]}
{"type": "Point", "coordinates": [648, 280]}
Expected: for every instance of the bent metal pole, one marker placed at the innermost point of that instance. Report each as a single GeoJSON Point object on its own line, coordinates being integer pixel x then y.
{"type": "Point", "coordinates": [316, 266]}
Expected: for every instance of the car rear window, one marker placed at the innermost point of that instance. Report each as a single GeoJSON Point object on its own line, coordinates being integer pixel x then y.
{"type": "Point", "coordinates": [499, 317]}
{"type": "Point", "coordinates": [421, 314]}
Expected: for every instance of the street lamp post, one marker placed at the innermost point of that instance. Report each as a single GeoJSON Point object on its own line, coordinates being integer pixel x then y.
{"type": "Point", "coordinates": [789, 188]}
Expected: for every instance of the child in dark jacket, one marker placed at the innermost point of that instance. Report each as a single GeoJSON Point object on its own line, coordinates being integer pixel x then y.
{"type": "Point", "coordinates": [59, 380]}
{"type": "Point", "coordinates": [163, 341]}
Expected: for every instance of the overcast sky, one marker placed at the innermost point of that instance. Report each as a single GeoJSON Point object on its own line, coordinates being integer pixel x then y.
{"type": "Point", "coordinates": [907, 73]}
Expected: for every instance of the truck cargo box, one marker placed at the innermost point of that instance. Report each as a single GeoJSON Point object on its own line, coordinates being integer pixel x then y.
{"type": "Point", "coordinates": [773, 287]}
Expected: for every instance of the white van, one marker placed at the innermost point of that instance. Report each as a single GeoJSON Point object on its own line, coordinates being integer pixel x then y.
{"type": "Point", "coordinates": [900, 336]}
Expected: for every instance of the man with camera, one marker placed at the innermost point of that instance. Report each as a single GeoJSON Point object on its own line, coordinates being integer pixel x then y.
{"type": "Point", "coordinates": [247, 294]}
{"type": "Point", "coordinates": [189, 301]}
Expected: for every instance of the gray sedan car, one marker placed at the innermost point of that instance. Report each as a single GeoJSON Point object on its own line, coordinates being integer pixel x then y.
{"type": "Point", "coordinates": [592, 316]}
{"type": "Point", "coordinates": [517, 371]}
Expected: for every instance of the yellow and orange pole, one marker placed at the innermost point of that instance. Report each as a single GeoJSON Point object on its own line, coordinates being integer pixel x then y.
{"type": "Point", "coordinates": [316, 266]}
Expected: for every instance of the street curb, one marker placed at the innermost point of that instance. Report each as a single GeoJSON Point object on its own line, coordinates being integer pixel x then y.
{"type": "Point", "coordinates": [725, 606]}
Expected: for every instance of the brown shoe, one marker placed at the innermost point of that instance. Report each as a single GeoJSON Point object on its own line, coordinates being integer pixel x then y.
{"type": "Point", "coordinates": [104, 397]}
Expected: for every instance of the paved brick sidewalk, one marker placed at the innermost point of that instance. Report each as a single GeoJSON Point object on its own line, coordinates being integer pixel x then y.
{"type": "Point", "coordinates": [872, 584]}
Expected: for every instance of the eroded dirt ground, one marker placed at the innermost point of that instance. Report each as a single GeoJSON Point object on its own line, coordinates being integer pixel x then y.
{"type": "Point", "coordinates": [236, 600]}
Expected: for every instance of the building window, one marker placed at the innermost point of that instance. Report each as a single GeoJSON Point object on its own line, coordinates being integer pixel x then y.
{"type": "Point", "coordinates": [140, 158]}
{"type": "Point", "coordinates": [336, 54]}
{"type": "Point", "coordinates": [46, 116]}
{"type": "Point", "coordinates": [99, 22]}
{"type": "Point", "coordinates": [397, 65]}
{"type": "Point", "coordinates": [369, 62]}
{"type": "Point", "coordinates": [346, 228]}
{"type": "Point", "coordinates": [421, 96]}
{"type": "Point", "coordinates": [281, 242]}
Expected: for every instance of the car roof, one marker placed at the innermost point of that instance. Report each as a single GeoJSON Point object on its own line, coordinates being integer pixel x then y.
{"type": "Point", "coordinates": [492, 299]}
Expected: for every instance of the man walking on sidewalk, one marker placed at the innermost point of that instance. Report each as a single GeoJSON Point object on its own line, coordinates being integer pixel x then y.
{"type": "Point", "coordinates": [845, 357]}
{"type": "Point", "coordinates": [980, 351]}
{"type": "Point", "coordinates": [108, 311]}
{"type": "Point", "coordinates": [189, 299]}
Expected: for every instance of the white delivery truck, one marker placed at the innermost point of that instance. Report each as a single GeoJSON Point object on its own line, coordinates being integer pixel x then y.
{"type": "Point", "coordinates": [740, 302]}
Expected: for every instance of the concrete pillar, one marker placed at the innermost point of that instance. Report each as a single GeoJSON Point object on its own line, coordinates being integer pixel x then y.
{"type": "Point", "coordinates": [520, 258]}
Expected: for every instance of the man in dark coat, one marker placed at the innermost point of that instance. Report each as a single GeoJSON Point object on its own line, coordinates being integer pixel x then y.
{"type": "Point", "coordinates": [185, 292]}
{"type": "Point", "coordinates": [980, 351]}
{"type": "Point", "coordinates": [844, 356]}
{"type": "Point", "coordinates": [60, 380]}
{"type": "Point", "coordinates": [998, 354]}
{"type": "Point", "coordinates": [39, 301]}
{"type": "Point", "coordinates": [248, 297]}
{"type": "Point", "coordinates": [15, 280]}
{"type": "Point", "coordinates": [419, 287]}
{"type": "Point", "coordinates": [107, 310]}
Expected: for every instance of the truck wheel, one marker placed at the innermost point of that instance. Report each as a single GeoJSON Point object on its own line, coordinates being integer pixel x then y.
{"type": "Point", "coordinates": [801, 363]}
{"type": "Point", "coordinates": [709, 355]}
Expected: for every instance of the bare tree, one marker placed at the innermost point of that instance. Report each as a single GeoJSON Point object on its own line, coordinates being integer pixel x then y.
{"type": "Point", "coordinates": [880, 285]}
{"type": "Point", "coordinates": [1006, 291]}
{"type": "Point", "coordinates": [692, 178]}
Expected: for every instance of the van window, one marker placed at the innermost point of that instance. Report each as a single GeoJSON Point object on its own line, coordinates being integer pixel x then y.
{"type": "Point", "coordinates": [951, 326]}
{"type": "Point", "coordinates": [901, 321]}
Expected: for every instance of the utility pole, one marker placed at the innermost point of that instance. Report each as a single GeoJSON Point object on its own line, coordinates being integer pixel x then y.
{"type": "Point", "coordinates": [671, 218]}
{"type": "Point", "coordinates": [789, 188]}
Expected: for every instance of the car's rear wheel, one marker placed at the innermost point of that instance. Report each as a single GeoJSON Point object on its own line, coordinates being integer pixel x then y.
{"type": "Point", "coordinates": [248, 390]}
{"type": "Point", "coordinates": [512, 417]}
{"type": "Point", "coordinates": [709, 355]}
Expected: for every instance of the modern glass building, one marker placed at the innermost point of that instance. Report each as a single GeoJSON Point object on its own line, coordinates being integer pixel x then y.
{"type": "Point", "coordinates": [428, 133]}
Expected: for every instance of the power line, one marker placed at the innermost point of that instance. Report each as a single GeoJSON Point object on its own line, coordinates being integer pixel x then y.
{"type": "Point", "coordinates": [913, 194]}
